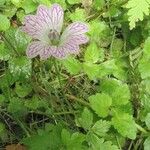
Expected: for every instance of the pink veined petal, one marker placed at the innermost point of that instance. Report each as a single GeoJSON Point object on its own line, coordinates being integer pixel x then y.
{"type": "Point", "coordinates": [59, 53]}
{"type": "Point", "coordinates": [70, 48]}
{"type": "Point", "coordinates": [36, 28]}
{"type": "Point", "coordinates": [38, 48]}
{"type": "Point", "coordinates": [53, 16]}
{"type": "Point", "coordinates": [74, 33]}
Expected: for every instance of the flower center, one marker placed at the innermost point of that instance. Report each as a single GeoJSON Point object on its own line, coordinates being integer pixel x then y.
{"type": "Point", "coordinates": [54, 37]}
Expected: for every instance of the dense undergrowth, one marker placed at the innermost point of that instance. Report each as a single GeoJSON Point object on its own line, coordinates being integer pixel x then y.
{"type": "Point", "coordinates": [97, 100]}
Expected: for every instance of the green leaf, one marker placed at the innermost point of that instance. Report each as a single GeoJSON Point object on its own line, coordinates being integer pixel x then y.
{"type": "Point", "coordinates": [86, 119]}
{"type": "Point", "coordinates": [144, 67]}
{"type": "Point", "coordinates": [92, 70]}
{"type": "Point", "coordinates": [45, 140]}
{"type": "Point", "coordinates": [4, 23]}
{"type": "Point", "coordinates": [119, 91]}
{"type": "Point", "coordinates": [147, 144]}
{"type": "Point", "coordinates": [2, 99]}
{"type": "Point", "coordinates": [20, 66]}
{"type": "Point", "coordinates": [97, 143]}
{"type": "Point", "coordinates": [29, 6]}
{"type": "Point", "coordinates": [98, 4]}
{"type": "Point", "coordinates": [147, 120]}
{"type": "Point", "coordinates": [108, 67]}
{"type": "Point", "coordinates": [101, 103]}
{"type": "Point", "coordinates": [45, 2]}
{"type": "Point", "coordinates": [23, 89]}
{"type": "Point", "coordinates": [93, 53]}
{"type": "Point", "coordinates": [16, 107]}
{"type": "Point", "coordinates": [74, 141]}
{"type": "Point", "coordinates": [17, 3]}
{"type": "Point", "coordinates": [125, 125]}
{"type": "Point", "coordinates": [137, 9]}
{"type": "Point", "coordinates": [5, 53]}
{"type": "Point", "coordinates": [78, 15]}
{"type": "Point", "coordinates": [101, 127]}
{"type": "Point", "coordinates": [2, 129]}
{"type": "Point", "coordinates": [72, 2]}
{"type": "Point", "coordinates": [72, 65]}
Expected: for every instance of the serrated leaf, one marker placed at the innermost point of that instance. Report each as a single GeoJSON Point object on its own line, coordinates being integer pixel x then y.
{"type": "Point", "coordinates": [72, 65]}
{"type": "Point", "coordinates": [16, 107]}
{"type": "Point", "coordinates": [45, 140]}
{"type": "Point", "coordinates": [97, 143]}
{"type": "Point", "coordinates": [72, 2]}
{"type": "Point", "coordinates": [23, 89]}
{"type": "Point", "coordinates": [4, 23]}
{"type": "Point", "coordinates": [101, 127]}
{"type": "Point", "coordinates": [93, 53]}
{"type": "Point", "coordinates": [29, 6]}
{"type": "Point", "coordinates": [100, 103]}
{"type": "Point", "coordinates": [92, 70]}
{"type": "Point", "coordinates": [78, 15]}
{"type": "Point", "coordinates": [119, 91]}
{"type": "Point", "coordinates": [125, 125]}
{"type": "Point", "coordinates": [74, 141]}
{"type": "Point", "coordinates": [86, 119]}
{"type": "Point", "coordinates": [20, 66]}
{"type": "Point", "coordinates": [5, 53]}
{"type": "Point", "coordinates": [147, 144]}
{"type": "Point", "coordinates": [137, 9]}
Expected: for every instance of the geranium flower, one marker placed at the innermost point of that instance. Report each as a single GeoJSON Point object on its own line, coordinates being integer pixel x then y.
{"type": "Point", "coordinates": [45, 28]}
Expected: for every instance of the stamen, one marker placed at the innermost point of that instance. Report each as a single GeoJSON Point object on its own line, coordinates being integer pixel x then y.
{"type": "Point", "coordinates": [54, 37]}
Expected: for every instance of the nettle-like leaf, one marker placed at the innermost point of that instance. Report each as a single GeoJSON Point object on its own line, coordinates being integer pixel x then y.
{"type": "Point", "coordinates": [29, 6]}
{"type": "Point", "coordinates": [72, 2]}
{"type": "Point", "coordinates": [119, 91]}
{"type": "Point", "coordinates": [20, 66]}
{"type": "Point", "coordinates": [94, 53]}
{"type": "Point", "coordinates": [101, 127]}
{"type": "Point", "coordinates": [144, 63]}
{"type": "Point", "coordinates": [4, 23]}
{"type": "Point", "coordinates": [101, 103]}
{"type": "Point", "coordinates": [74, 141]}
{"type": "Point", "coordinates": [125, 125]}
{"type": "Point", "coordinates": [72, 65]}
{"type": "Point", "coordinates": [16, 40]}
{"type": "Point", "coordinates": [98, 4]}
{"type": "Point", "coordinates": [5, 53]}
{"type": "Point", "coordinates": [45, 139]}
{"type": "Point", "coordinates": [23, 89]}
{"type": "Point", "coordinates": [92, 70]}
{"type": "Point", "coordinates": [147, 144]}
{"type": "Point", "coordinates": [97, 143]}
{"type": "Point", "coordinates": [78, 15]}
{"type": "Point", "coordinates": [137, 9]}
{"type": "Point", "coordinates": [16, 107]}
{"type": "Point", "coordinates": [86, 119]}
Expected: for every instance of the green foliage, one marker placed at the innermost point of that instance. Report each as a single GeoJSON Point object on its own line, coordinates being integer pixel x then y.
{"type": "Point", "coordinates": [94, 53]}
{"type": "Point", "coordinates": [20, 66]}
{"type": "Point", "coordinates": [137, 9]}
{"type": "Point", "coordinates": [101, 127]}
{"type": "Point", "coordinates": [100, 103]}
{"type": "Point", "coordinates": [73, 141]}
{"type": "Point", "coordinates": [86, 119]}
{"type": "Point", "coordinates": [147, 144]}
{"type": "Point", "coordinates": [78, 15]}
{"type": "Point", "coordinates": [5, 23]}
{"type": "Point", "coordinates": [125, 125]}
{"type": "Point", "coordinates": [72, 65]}
{"type": "Point", "coordinates": [96, 100]}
